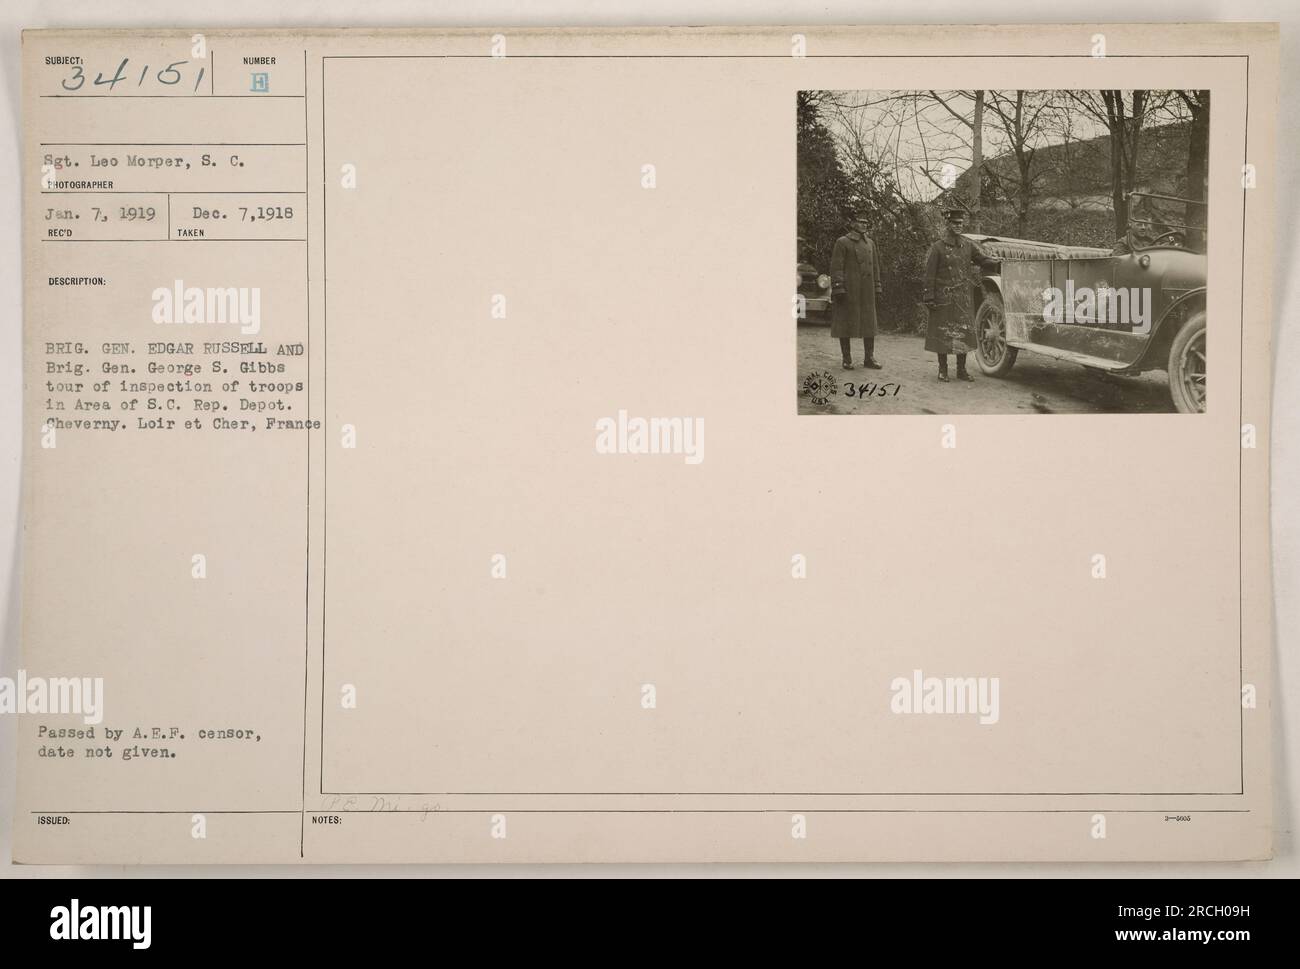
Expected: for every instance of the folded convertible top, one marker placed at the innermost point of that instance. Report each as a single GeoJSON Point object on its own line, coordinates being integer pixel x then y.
{"type": "Point", "coordinates": [1000, 247]}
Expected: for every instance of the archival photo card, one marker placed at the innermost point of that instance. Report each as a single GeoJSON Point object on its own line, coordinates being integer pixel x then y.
{"type": "Point", "coordinates": [411, 472]}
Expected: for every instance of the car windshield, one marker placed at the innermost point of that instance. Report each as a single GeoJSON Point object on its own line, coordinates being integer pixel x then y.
{"type": "Point", "coordinates": [1165, 222]}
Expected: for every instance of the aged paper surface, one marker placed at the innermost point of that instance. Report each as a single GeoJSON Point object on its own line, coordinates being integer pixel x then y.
{"type": "Point", "coordinates": [412, 470]}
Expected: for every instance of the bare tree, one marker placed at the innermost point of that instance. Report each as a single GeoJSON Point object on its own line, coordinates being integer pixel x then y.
{"type": "Point", "coordinates": [1191, 108]}
{"type": "Point", "coordinates": [1124, 113]}
{"type": "Point", "coordinates": [928, 137]}
{"type": "Point", "coordinates": [1198, 142]}
{"type": "Point", "coordinates": [1020, 116]}
{"type": "Point", "coordinates": [974, 122]}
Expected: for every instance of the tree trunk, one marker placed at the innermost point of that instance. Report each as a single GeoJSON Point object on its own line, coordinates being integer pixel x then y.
{"type": "Point", "coordinates": [1198, 145]}
{"type": "Point", "coordinates": [1133, 135]}
{"type": "Point", "coordinates": [1024, 160]}
{"type": "Point", "coordinates": [1114, 101]}
{"type": "Point", "coordinates": [1198, 156]}
{"type": "Point", "coordinates": [977, 160]}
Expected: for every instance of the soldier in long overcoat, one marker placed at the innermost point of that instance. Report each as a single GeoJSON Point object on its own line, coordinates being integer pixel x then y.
{"type": "Point", "coordinates": [949, 283]}
{"type": "Point", "coordinates": [855, 284]}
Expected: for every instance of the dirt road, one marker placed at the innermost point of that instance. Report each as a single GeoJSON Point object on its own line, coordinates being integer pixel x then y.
{"type": "Point", "coordinates": [1035, 385]}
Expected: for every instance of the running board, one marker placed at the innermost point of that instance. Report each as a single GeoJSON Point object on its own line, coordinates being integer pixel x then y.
{"type": "Point", "coordinates": [1073, 356]}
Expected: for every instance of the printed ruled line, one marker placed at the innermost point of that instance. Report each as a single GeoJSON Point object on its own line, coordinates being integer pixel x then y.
{"type": "Point", "coordinates": [1241, 456]}
{"type": "Point", "coordinates": [306, 605]}
{"type": "Point", "coordinates": [170, 812]}
{"type": "Point", "coordinates": [180, 97]}
{"type": "Point", "coordinates": [173, 240]}
{"type": "Point", "coordinates": [781, 794]}
{"type": "Point", "coordinates": [780, 57]}
{"type": "Point", "coordinates": [122, 191]}
{"type": "Point", "coordinates": [786, 810]}
{"type": "Point", "coordinates": [173, 144]}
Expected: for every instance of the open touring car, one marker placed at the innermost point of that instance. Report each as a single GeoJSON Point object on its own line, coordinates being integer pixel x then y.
{"type": "Point", "coordinates": [1137, 307]}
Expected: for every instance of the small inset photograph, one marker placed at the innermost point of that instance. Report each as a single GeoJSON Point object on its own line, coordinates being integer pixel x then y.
{"type": "Point", "coordinates": [1002, 252]}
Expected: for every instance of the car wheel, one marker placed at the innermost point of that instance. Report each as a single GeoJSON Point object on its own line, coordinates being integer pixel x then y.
{"type": "Point", "coordinates": [994, 356]}
{"type": "Point", "coordinates": [1187, 366]}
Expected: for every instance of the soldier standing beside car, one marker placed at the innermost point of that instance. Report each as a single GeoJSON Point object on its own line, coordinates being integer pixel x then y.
{"type": "Point", "coordinates": [855, 284]}
{"type": "Point", "coordinates": [948, 287]}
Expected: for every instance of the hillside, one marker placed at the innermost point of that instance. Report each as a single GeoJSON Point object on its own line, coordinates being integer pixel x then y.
{"type": "Point", "coordinates": [1078, 173]}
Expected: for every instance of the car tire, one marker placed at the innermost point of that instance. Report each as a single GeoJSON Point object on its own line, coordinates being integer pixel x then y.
{"type": "Point", "coordinates": [1187, 366]}
{"type": "Point", "coordinates": [991, 351]}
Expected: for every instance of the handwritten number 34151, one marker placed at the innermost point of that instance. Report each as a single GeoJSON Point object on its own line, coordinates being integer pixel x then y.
{"type": "Point", "coordinates": [872, 390]}
{"type": "Point", "coordinates": [168, 76]}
